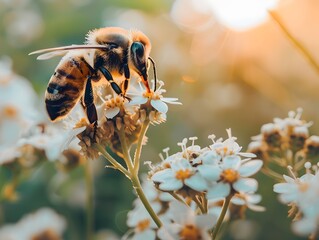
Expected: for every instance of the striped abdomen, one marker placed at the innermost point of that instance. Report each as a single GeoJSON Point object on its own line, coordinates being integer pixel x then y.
{"type": "Point", "coordinates": [66, 86]}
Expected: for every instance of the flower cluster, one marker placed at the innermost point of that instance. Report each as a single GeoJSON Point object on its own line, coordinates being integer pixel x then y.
{"type": "Point", "coordinates": [302, 195]}
{"type": "Point", "coordinates": [121, 117]}
{"type": "Point", "coordinates": [285, 142]}
{"type": "Point", "coordinates": [43, 224]}
{"type": "Point", "coordinates": [186, 223]}
{"type": "Point", "coordinates": [217, 172]}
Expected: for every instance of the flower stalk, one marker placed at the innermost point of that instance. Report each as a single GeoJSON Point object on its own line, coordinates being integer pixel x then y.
{"type": "Point", "coordinates": [138, 150]}
{"type": "Point", "coordinates": [138, 188]}
{"type": "Point", "coordinates": [89, 200]}
{"type": "Point", "coordinates": [221, 216]}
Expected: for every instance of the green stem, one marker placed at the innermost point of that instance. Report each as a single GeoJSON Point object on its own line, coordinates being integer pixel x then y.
{"type": "Point", "coordinates": [126, 151]}
{"type": "Point", "coordinates": [297, 43]}
{"type": "Point", "coordinates": [222, 216]}
{"type": "Point", "coordinates": [276, 176]}
{"type": "Point", "coordinates": [112, 160]}
{"type": "Point", "coordinates": [177, 197]}
{"type": "Point", "coordinates": [138, 150]}
{"type": "Point", "coordinates": [205, 204]}
{"type": "Point", "coordinates": [138, 188]}
{"type": "Point", "coordinates": [199, 204]}
{"type": "Point", "coordinates": [89, 200]}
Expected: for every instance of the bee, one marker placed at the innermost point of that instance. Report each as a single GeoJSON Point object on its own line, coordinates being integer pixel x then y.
{"type": "Point", "coordinates": [110, 55]}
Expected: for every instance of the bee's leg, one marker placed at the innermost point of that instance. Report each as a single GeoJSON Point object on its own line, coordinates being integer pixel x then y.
{"type": "Point", "coordinates": [110, 79]}
{"type": "Point", "coordinates": [82, 103]}
{"type": "Point", "coordinates": [154, 72]}
{"type": "Point", "coordinates": [89, 105]}
{"type": "Point", "coordinates": [127, 78]}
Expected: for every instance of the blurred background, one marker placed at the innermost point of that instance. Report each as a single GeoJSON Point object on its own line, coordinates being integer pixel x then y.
{"type": "Point", "coordinates": [227, 61]}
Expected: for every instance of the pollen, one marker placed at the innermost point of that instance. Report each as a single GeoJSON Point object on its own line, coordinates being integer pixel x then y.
{"type": "Point", "coordinates": [148, 94]}
{"type": "Point", "coordinates": [81, 123]}
{"type": "Point", "coordinates": [143, 225]}
{"type": "Point", "coordinates": [190, 232]}
{"type": "Point", "coordinates": [229, 175]}
{"type": "Point", "coordinates": [183, 174]}
{"type": "Point", "coordinates": [10, 111]}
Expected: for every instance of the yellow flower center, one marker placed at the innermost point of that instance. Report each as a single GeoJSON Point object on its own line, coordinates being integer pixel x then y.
{"type": "Point", "coordinates": [114, 102]}
{"type": "Point", "coordinates": [47, 234]}
{"type": "Point", "coordinates": [229, 175]}
{"type": "Point", "coordinates": [303, 187]}
{"type": "Point", "coordinates": [183, 174]}
{"type": "Point", "coordinates": [143, 225]}
{"type": "Point", "coordinates": [148, 94]}
{"type": "Point", "coordinates": [10, 111]}
{"type": "Point", "coordinates": [190, 232]}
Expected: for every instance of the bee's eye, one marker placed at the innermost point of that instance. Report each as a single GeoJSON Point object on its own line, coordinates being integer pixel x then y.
{"type": "Point", "coordinates": [137, 49]}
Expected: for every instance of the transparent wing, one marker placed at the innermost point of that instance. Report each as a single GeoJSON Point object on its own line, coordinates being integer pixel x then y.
{"type": "Point", "coordinates": [60, 51]}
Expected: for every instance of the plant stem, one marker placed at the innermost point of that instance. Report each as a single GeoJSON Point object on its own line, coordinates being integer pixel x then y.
{"type": "Point", "coordinates": [125, 151]}
{"type": "Point", "coordinates": [89, 200]}
{"type": "Point", "coordinates": [297, 43]}
{"type": "Point", "coordinates": [276, 176]}
{"type": "Point", "coordinates": [222, 216]}
{"type": "Point", "coordinates": [178, 198]}
{"type": "Point", "coordinates": [112, 160]}
{"type": "Point", "coordinates": [138, 150]}
{"type": "Point", "coordinates": [199, 204]}
{"type": "Point", "coordinates": [138, 188]}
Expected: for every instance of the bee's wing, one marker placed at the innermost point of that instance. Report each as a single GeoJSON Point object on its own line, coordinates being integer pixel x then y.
{"type": "Point", "coordinates": [60, 51]}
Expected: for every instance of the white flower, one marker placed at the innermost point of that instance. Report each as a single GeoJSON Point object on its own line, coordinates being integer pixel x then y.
{"type": "Point", "coordinates": [42, 224]}
{"type": "Point", "coordinates": [185, 224]}
{"type": "Point", "coordinates": [248, 199]}
{"type": "Point", "coordinates": [18, 99]}
{"type": "Point", "coordinates": [17, 109]}
{"type": "Point", "coordinates": [228, 147]}
{"type": "Point", "coordinates": [231, 173]}
{"type": "Point", "coordinates": [292, 191]}
{"type": "Point", "coordinates": [179, 174]}
{"type": "Point", "coordinates": [156, 99]}
{"type": "Point", "coordinates": [303, 192]}
{"type": "Point", "coordinates": [141, 222]}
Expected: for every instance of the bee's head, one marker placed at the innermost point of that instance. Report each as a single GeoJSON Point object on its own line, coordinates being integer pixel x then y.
{"type": "Point", "coordinates": [139, 54]}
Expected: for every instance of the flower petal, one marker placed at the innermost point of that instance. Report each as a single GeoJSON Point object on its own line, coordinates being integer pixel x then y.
{"type": "Point", "coordinates": [219, 190]}
{"type": "Point", "coordinates": [138, 100]}
{"type": "Point", "coordinates": [160, 176]}
{"type": "Point", "coordinates": [171, 100]}
{"type": "Point", "coordinates": [159, 106]}
{"type": "Point", "coordinates": [196, 182]}
{"type": "Point", "coordinates": [232, 162]}
{"type": "Point", "coordinates": [246, 185]}
{"type": "Point", "coordinates": [210, 172]}
{"type": "Point", "coordinates": [250, 168]}
{"type": "Point", "coordinates": [112, 112]}
{"type": "Point", "coordinates": [171, 184]}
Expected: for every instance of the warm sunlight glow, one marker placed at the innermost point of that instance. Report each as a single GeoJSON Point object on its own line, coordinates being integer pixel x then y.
{"type": "Point", "coordinates": [241, 15]}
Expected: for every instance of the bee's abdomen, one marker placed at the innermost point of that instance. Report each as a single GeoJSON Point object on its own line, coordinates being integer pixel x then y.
{"type": "Point", "coordinates": [65, 88]}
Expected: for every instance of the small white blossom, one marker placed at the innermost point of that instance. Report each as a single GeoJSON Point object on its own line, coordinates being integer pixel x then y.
{"type": "Point", "coordinates": [231, 173]}
{"type": "Point", "coordinates": [179, 174]}
{"type": "Point", "coordinates": [185, 224]}
{"type": "Point", "coordinates": [42, 224]}
{"type": "Point", "coordinates": [157, 101]}
{"type": "Point", "coordinates": [140, 220]}
{"type": "Point", "coordinates": [302, 192]}
{"type": "Point", "coordinates": [248, 199]}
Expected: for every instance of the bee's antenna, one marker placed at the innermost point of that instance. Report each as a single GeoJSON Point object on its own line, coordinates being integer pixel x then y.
{"type": "Point", "coordinates": [154, 70]}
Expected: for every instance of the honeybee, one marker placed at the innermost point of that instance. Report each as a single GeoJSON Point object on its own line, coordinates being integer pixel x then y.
{"type": "Point", "coordinates": [109, 54]}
